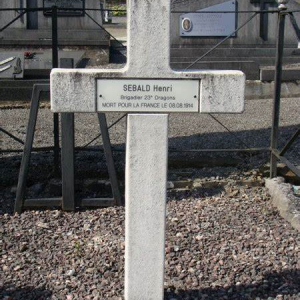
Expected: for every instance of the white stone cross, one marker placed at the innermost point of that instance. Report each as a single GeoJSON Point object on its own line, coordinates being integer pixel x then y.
{"type": "Point", "coordinates": [146, 84]}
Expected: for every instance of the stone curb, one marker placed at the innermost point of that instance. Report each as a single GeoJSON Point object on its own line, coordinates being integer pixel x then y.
{"type": "Point", "coordinates": [256, 89]}
{"type": "Point", "coordinates": [284, 200]}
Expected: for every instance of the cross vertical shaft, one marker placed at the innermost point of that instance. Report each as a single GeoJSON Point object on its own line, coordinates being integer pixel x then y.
{"type": "Point", "coordinates": [146, 195]}
{"type": "Point", "coordinates": [149, 40]}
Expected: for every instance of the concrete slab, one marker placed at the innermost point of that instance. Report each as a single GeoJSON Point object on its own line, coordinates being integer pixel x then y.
{"type": "Point", "coordinates": [43, 59]}
{"type": "Point", "coordinates": [40, 65]}
{"type": "Point", "coordinates": [255, 89]}
{"type": "Point", "coordinates": [287, 74]}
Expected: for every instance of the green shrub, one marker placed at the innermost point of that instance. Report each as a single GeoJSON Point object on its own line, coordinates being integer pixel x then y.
{"type": "Point", "coordinates": [121, 12]}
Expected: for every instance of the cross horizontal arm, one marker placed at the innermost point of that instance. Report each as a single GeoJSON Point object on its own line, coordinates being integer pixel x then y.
{"type": "Point", "coordinates": [76, 90]}
{"type": "Point", "coordinates": [148, 59]}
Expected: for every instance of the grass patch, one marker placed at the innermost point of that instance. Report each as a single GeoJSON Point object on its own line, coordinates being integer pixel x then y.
{"type": "Point", "coordinates": [119, 10]}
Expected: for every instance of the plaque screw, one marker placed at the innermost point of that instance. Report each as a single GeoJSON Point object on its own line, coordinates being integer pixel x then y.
{"type": "Point", "coordinates": [100, 96]}
{"type": "Point", "coordinates": [195, 96]}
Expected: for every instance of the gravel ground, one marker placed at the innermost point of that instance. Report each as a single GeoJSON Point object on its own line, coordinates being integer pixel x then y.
{"type": "Point", "coordinates": [224, 239]}
{"type": "Point", "coordinates": [252, 128]}
{"type": "Point", "coordinates": [228, 244]}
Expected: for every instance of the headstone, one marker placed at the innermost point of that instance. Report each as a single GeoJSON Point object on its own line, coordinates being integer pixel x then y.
{"type": "Point", "coordinates": [211, 23]}
{"type": "Point", "coordinates": [248, 36]}
{"type": "Point", "coordinates": [80, 4]}
{"type": "Point", "coordinates": [147, 73]}
{"type": "Point", "coordinates": [75, 27]}
{"type": "Point", "coordinates": [253, 47]}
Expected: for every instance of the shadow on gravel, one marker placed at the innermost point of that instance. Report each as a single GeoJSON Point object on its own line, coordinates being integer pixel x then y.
{"type": "Point", "coordinates": [92, 164]}
{"type": "Point", "coordinates": [177, 195]}
{"type": "Point", "coordinates": [10, 292]}
{"type": "Point", "coordinates": [272, 285]}
{"type": "Point", "coordinates": [9, 165]}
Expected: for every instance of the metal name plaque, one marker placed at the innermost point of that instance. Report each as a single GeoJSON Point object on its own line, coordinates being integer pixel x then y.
{"type": "Point", "coordinates": [212, 23]}
{"type": "Point", "coordinates": [143, 95]}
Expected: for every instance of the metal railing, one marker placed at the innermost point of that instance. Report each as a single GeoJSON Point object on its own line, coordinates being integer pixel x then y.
{"type": "Point", "coordinates": [54, 16]}
{"type": "Point", "coordinates": [273, 149]}
{"type": "Point", "coordinates": [275, 153]}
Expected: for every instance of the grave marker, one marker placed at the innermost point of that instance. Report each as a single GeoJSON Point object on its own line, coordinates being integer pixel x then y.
{"type": "Point", "coordinates": [147, 74]}
{"type": "Point", "coordinates": [210, 24]}
{"type": "Point", "coordinates": [66, 4]}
